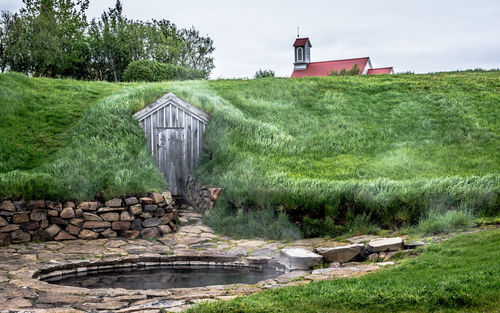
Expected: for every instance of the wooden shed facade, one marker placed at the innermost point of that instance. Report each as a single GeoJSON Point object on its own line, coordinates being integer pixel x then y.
{"type": "Point", "coordinates": [174, 131]}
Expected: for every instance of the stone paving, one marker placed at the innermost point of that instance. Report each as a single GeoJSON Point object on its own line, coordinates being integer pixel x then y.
{"type": "Point", "coordinates": [194, 241]}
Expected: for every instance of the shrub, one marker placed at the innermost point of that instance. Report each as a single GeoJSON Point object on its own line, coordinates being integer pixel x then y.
{"type": "Point", "coordinates": [153, 71]}
{"type": "Point", "coordinates": [355, 70]}
{"type": "Point", "coordinates": [264, 73]}
{"type": "Point", "coordinates": [436, 221]}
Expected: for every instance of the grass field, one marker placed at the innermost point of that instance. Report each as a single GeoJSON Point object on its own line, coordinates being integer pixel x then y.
{"type": "Point", "coordinates": [458, 275]}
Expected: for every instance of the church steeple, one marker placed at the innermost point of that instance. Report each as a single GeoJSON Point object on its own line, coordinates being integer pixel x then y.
{"type": "Point", "coordinates": [302, 49]}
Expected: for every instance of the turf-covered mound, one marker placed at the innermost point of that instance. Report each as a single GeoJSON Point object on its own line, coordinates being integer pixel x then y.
{"type": "Point", "coordinates": [333, 150]}
{"type": "Point", "coordinates": [70, 152]}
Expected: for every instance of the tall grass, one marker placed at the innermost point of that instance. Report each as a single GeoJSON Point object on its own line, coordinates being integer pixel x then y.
{"type": "Point", "coordinates": [105, 155]}
{"type": "Point", "coordinates": [390, 147]}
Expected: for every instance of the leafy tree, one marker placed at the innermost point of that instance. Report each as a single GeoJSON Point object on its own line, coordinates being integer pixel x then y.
{"type": "Point", "coordinates": [264, 73]}
{"type": "Point", "coordinates": [355, 70]}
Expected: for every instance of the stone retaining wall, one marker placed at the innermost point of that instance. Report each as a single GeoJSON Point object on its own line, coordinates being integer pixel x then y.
{"type": "Point", "coordinates": [128, 217]}
{"type": "Point", "coordinates": [201, 197]}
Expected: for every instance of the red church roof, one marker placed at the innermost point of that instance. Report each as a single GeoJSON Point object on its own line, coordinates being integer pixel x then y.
{"type": "Point", "coordinates": [324, 68]}
{"type": "Point", "coordinates": [300, 42]}
{"type": "Point", "coordinates": [381, 70]}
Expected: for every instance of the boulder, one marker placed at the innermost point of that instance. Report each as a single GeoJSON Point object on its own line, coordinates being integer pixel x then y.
{"type": "Point", "coordinates": [9, 228]}
{"type": "Point", "coordinates": [41, 235]}
{"type": "Point", "coordinates": [111, 217]}
{"type": "Point", "coordinates": [96, 224]}
{"type": "Point", "coordinates": [114, 203]}
{"type": "Point", "coordinates": [168, 197]}
{"type": "Point", "coordinates": [73, 230]}
{"type": "Point", "coordinates": [136, 224]}
{"type": "Point", "coordinates": [88, 206]}
{"type": "Point", "coordinates": [20, 206]}
{"type": "Point", "coordinates": [36, 204]}
{"type": "Point", "coordinates": [152, 232]}
{"type": "Point", "coordinates": [44, 223]}
{"type": "Point", "coordinates": [38, 215]}
{"type": "Point", "coordinates": [30, 226]}
{"type": "Point", "coordinates": [341, 254]}
{"type": "Point", "coordinates": [64, 236]}
{"type": "Point", "coordinates": [52, 213]}
{"type": "Point", "coordinates": [7, 206]}
{"type": "Point", "coordinates": [78, 212]}
{"type": "Point", "coordinates": [87, 234]}
{"type": "Point", "coordinates": [108, 233]}
{"type": "Point", "coordinates": [131, 201]}
{"type": "Point", "coordinates": [19, 236]}
{"type": "Point", "coordinates": [58, 221]}
{"type": "Point", "coordinates": [150, 208]}
{"type": "Point", "coordinates": [146, 200]}
{"type": "Point", "coordinates": [385, 244]}
{"type": "Point", "coordinates": [69, 204]}
{"type": "Point", "coordinates": [68, 213]}
{"type": "Point", "coordinates": [299, 259]}
{"type": "Point", "coordinates": [165, 229]}
{"type": "Point", "coordinates": [146, 215]}
{"type": "Point", "coordinates": [77, 222]}
{"type": "Point", "coordinates": [126, 217]}
{"type": "Point", "coordinates": [130, 234]}
{"type": "Point", "coordinates": [3, 222]}
{"type": "Point", "coordinates": [91, 217]}
{"type": "Point", "coordinates": [53, 205]}
{"type": "Point", "coordinates": [136, 209]}
{"type": "Point", "coordinates": [53, 230]}
{"type": "Point", "coordinates": [157, 197]}
{"type": "Point", "coordinates": [151, 222]}
{"type": "Point", "coordinates": [20, 218]}
{"type": "Point", "coordinates": [120, 226]}
{"type": "Point", "coordinates": [5, 239]}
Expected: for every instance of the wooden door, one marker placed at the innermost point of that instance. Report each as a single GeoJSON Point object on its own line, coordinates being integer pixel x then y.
{"type": "Point", "coordinates": [170, 157]}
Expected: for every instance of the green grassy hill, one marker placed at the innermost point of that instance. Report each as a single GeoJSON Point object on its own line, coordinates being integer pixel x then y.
{"type": "Point", "coordinates": [331, 152]}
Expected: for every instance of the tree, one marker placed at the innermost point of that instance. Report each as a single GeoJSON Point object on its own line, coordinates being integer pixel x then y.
{"type": "Point", "coordinates": [263, 74]}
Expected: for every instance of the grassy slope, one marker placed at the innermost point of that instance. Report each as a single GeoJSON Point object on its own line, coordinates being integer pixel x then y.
{"type": "Point", "coordinates": [459, 275]}
{"type": "Point", "coordinates": [97, 146]}
{"type": "Point", "coordinates": [37, 114]}
{"type": "Point", "coordinates": [390, 146]}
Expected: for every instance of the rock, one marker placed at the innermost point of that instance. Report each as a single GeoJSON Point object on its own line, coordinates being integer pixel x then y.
{"type": "Point", "coordinates": [157, 197]}
{"type": "Point", "coordinates": [64, 236]}
{"type": "Point", "coordinates": [385, 244]}
{"type": "Point", "coordinates": [111, 217]}
{"type": "Point", "coordinates": [167, 218]}
{"type": "Point", "coordinates": [152, 232]}
{"type": "Point", "coordinates": [150, 208]}
{"type": "Point", "coordinates": [106, 209]}
{"type": "Point", "coordinates": [19, 236]}
{"type": "Point", "coordinates": [146, 215]}
{"type": "Point", "coordinates": [131, 201]}
{"type": "Point", "coordinates": [7, 206]}
{"type": "Point", "coordinates": [53, 230]}
{"type": "Point", "coordinates": [131, 234]}
{"type": "Point", "coordinates": [136, 209]}
{"type": "Point", "coordinates": [146, 200]}
{"type": "Point", "coordinates": [120, 226]}
{"type": "Point", "coordinates": [167, 196]}
{"type": "Point", "coordinates": [9, 228]}
{"type": "Point", "coordinates": [114, 203]}
{"type": "Point", "coordinates": [38, 215]}
{"type": "Point", "coordinates": [58, 221]}
{"type": "Point", "coordinates": [165, 229]}
{"type": "Point", "coordinates": [372, 257]}
{"type": "Point", "coordinates": [126, 217]}
{"type": "Point", "coordinates": [3, 222]}
{"type": "Point", "coordinates": [299, 259]}
{"type": "Point", "coordinates": [53, 205]}
{"type": "Point", "coordinates": [52, 213]}
{"type": "Point", "coordinates": [91, 217]}
{"type": "Point", "coordinates": [73, 230]}
{"type": "Point", "coordinates": [88, 206]}
{"type": "Point", "coordinates": [214, 193]}
{"type": "Point", "coordinates": [341, 254]}
{"type": "Point", "coordinates": [86, 234]}
{"type": "Point", "coordinates": [44, 224]}
{"type": "Point", "coordinates": [151, 222]}
{"type": "Point", "coordinates": [78, 212]}
{"type": "Point", "coordinates": [20, 218]}
{"type": "Point", "coordinates": [96, 224]}
{"type": "Point", "coordinates": [5, 239]}
{"type": "Point", "coordinates": [68, 213]}
{"type": "Point", "coordinates": [18, 303]}
{"type": "Point", "coordinates": [30, 226]}
{"type": "Point", "coordinates": [20, 206]}
{"type": "Point", "coordinates": [159, 212]}
{"type": "Point", "coordinates": [41, 235]}
{"type": "Point", "coordinates": [136, 224]}
{"type": "Point", "coordinates": [36, 204]}
{"type": "Point", "coordinates": [108, 233]}
{"type": "Point", "coordinates": [69, 204]}
{"type": "Point", "coordinates": [77, 222]}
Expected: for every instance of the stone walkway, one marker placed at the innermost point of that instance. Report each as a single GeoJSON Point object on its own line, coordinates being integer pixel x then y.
{"type": "Point", "coordinates": [193, 241]}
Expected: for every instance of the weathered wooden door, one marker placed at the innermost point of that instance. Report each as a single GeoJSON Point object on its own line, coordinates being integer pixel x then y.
{"type": "Point", "coordinates": [170, 159]}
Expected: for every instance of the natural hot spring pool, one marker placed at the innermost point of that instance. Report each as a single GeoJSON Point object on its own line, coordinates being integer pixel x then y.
{"type": "Point", "coordinates": [164, 278]}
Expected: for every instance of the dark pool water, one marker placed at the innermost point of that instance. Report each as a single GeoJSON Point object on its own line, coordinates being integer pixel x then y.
{"type": "Point", "coordinates": [163, 278]}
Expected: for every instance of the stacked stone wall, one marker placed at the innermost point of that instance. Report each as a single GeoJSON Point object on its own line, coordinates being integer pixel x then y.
{"type": "Point", "coordinates": [201, 197]}
{"type": "Point", "coordinates": [128, 217]}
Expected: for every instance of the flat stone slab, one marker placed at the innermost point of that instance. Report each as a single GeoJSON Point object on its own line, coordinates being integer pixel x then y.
{"type": "Point", "coordinates": [299, 259]}
{"type": "Point", "coordinates": [341, 254]}
{"type": "Point", "coordinates": [385, 244]}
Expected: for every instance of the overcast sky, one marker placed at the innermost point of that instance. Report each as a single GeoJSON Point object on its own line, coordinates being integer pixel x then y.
{"type": "Point", "coordinates": [420, 36]}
